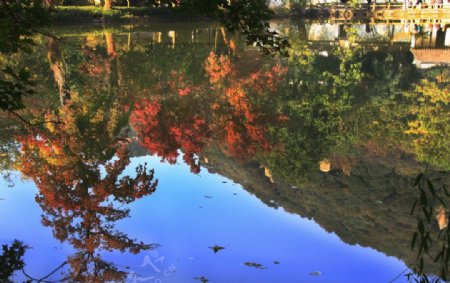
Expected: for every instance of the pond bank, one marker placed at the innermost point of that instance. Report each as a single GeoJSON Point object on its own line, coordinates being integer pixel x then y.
{"type": "Point", "coordinates": [339, 12]}
{"type": "Point", "coordinates": [96, 14]}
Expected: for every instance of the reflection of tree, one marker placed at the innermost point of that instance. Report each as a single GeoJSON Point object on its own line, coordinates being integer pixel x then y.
{"type": "Point", "coordinates": [77, 166]}
{"type": "Point", "coordinates": [57, 67]}
{"type": "Point", "coordinates": [228, 110]}
{"type": "Point", "coordinates": [242, 105]}
{"type": "Point", "coordinates": [163, 133]}
{"type": "Point", "coordinates": [19, 21]}
{"type": "Point", "coordinates": [329, 103]}
{"type": "Point", "coordinates": [335, 99]}
{"type": "Point", "coordinates": [78, 203]}
{"type": "Point", "coordinates": [319, 97]}
{"type": "Point", "coordinates": [429, 124]}
{"type": "Point", "coordinates": [11, 260]}
{"type": "Point", "coordinates": [249, 17]}
{"type": "Point", "coordinates": [344, 99]}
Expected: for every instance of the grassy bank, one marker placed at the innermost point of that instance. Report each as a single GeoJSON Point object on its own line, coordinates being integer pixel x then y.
{"type": "Point", "coordinates": [87, 14]}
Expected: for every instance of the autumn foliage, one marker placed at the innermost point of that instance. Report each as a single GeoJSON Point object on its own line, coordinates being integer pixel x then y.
{"type": "Point", "coordinates": [225, 111]}
{"type": "Point", "coordinates": [78, 167]}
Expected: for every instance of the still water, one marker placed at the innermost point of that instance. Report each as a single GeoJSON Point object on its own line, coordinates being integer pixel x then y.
{"type": "Point", "coordinates": [175, 153]}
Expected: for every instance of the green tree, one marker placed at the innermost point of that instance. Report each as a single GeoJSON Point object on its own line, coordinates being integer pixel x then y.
{"type": "Point", "coordinates": [19, 20]}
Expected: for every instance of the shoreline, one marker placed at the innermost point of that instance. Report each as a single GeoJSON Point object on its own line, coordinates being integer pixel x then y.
{"type": "Point", "coordinates": [134, 15]}
{"type": "Point", "coordinates": [67, 15]}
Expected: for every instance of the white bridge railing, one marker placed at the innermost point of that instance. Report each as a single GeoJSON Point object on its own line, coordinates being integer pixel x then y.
{"type": "Point", "coordinates": [381, 6]}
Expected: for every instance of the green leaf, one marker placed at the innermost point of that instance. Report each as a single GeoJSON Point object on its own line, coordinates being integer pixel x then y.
{"type": "Point", "coordinates": [423, 198]}
{"type": "Point", "coordinates": [418, 179]}
{"type": "Point", "coordinates": [421, 227]}
{"type": "Point", "coordinates": [427, 212]}
{"type": "Point", "coordinates": [414, 239]}
{"type": "Point", "coordinates": [413, 207]}
{"type": "Point", "coordinates": [431, 187]}
{"type": "Point", "coordinates": [447, 194]}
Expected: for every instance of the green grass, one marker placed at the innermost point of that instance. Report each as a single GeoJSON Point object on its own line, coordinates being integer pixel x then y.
{"type": "Point", "coordinates": [93, 13]}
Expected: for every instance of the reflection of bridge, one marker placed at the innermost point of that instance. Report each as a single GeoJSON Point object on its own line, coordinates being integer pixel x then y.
{"type": "Point", "coordinates": [430, 45]}
{"type": "Point", "coordinates": [360, 33]}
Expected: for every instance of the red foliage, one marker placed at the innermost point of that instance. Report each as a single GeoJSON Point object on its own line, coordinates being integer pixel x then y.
{"type": "Point", "coordinates": [175, 120]}
{"type": "Point", "coordinates": [162, 134]}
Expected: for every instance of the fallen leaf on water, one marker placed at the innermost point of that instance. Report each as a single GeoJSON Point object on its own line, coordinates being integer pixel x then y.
{"type": "Point", "coordinates": [276, 262]}
{"type": "Point", "coordinates": [316, 273]}
{"type": "Point", "coordinates": [202, 279]}
{"type": "Point", "coordinates": [216, 248]}
{"type": "Point", "coordinates": [254, 264]}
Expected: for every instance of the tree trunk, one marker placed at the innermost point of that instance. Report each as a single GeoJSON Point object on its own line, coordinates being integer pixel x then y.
{"type": "Point", "coordinates": [107, 5]}
{"type": "Point", "coordinates": [110, 47]}
{"type": "Point", "coordinates": [48, 4]}
{"type": "Point", "coordinates": [57, 66]}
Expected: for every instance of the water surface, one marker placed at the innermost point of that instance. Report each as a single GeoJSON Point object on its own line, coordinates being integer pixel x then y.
{"type": "Point", "coordinates": [162, 142]}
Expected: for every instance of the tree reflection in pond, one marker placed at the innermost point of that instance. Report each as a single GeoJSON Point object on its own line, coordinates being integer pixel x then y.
{"type": "Point", "coordinates": [332, 133]}
{"type": "Point", "coordinates": [77, 165]}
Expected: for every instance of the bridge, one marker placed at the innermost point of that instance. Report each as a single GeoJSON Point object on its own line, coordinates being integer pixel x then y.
{"type": "Point", "coordinates": [380, 11]}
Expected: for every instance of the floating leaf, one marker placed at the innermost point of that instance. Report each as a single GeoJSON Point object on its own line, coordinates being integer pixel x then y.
{"type": "Point", "coordinates": [216, 248]}
{"type": "Point", "coordinates": [202, 279]}
{"type": "Point", "coordinates": [254, 264]}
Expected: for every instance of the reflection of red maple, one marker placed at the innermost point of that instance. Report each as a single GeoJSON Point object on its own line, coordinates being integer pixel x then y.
{"type": "Point", "coordinates": [77, 165]}
{"type": "Point", "coordinates": [191, 138]}
{"type": "Point", "coordinates": [179, 84]}
{"type": "Point", "coordinates": [78, 203]}
{"type": "Point", "coordinates": [217, 67]}
{"type": "Point", "coordinates": [152, 133]}
{"type": "Point", "coordinates": [163, 135]}
{"type": "Point", "coordinates": [73, 189]}
{"type": "Point", "coordinates": [246, 125]}
{"type": "Point", "coordinates": [236, 119]}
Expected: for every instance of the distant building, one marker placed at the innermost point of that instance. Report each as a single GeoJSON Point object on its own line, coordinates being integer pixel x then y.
{"type": "Point", "coordinates": [431, 46]}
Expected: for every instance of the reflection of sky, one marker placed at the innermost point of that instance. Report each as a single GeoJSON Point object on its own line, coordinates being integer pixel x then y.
{"type": "Point", "coordinates": [172, 217]}
{"type": "Point", "coordinates": [326, 32]}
